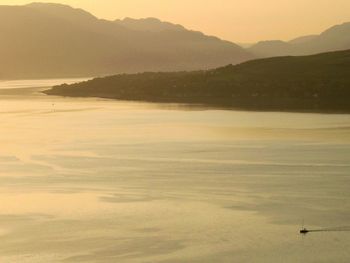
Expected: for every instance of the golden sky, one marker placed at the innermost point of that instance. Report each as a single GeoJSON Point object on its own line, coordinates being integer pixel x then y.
{"type": "Point", "coordinates": [236, 20]}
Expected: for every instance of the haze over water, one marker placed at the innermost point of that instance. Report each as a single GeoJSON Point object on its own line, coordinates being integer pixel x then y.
{"type": "Point", "coordinates": [91, 180]}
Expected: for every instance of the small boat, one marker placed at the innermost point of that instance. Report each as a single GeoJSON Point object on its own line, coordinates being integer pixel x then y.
{"type": "Point", "coordinates": [304, 231]}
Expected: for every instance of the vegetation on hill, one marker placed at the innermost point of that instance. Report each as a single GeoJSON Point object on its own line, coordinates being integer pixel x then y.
{"type": "Point", "coordinates": [319, 83]}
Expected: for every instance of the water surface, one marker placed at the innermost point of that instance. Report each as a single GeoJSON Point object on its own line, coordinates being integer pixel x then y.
{"type": "Point", "coordinates": [91, 180]}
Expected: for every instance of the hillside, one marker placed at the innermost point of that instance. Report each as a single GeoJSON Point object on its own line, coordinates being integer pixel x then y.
{"type": "Point", "coordinates": [333, 39]}
{"type": "Point", "coordinates": [54, 40]}
{"type": "Point", "coordinates": [310, 83]}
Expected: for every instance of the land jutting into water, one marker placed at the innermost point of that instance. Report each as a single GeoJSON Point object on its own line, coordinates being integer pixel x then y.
{"type": "Point", "coordinates": [306, 83]}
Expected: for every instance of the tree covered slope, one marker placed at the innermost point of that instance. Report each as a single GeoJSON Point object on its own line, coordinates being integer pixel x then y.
{"type": "Point", "coordinates": [317, 83]}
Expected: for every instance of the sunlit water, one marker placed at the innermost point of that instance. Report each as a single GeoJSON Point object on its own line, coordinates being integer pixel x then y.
{"type": "Point", "coordinates": [90, 180]}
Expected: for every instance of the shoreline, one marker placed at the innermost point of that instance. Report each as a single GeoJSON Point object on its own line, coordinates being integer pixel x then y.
{"type": "Point", "coordinates": [206, 106]}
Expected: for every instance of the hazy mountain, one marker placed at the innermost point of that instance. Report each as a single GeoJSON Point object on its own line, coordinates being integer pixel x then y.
{"type": "Point", "coordinates": [148, 24]}
{"type": "Point", "coordinates": [53, 40]}
{"type": "Point", "coordinates": [245, 45]}
{"type": "Point", "coordinates": [272, 48]}
{"type": "Point", "coordinates": [302, 39]}
{"type": "Point", "coordinates": [333, 39]}
{"type": "Point", "coordinates": [309, 83]}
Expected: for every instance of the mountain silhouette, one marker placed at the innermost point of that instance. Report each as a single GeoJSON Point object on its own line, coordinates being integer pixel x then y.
{"type": "Point", "coordinates": [333, 39]}
{"type": "Point", "coordinates": [149, 24]}
{"type": "Point", "coordinates": [302, 39]}
{"type": "Point", "coordinates": [53, 40]}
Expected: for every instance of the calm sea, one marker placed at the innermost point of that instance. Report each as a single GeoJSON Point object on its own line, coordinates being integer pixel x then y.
{"type": "Point", "coordinates": [92, 180]}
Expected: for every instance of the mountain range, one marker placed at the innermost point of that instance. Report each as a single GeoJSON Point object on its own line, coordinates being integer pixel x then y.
{"type": "Point", "coordinates": [53, 40]}
{"type": "Point", "coordinates": [42, 40]}
{"type": "Point", "coordinates": [333, 39]}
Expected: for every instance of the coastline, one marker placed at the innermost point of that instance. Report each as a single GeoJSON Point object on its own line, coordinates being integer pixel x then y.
{"type": "Point", "coordinates": [206, 105]}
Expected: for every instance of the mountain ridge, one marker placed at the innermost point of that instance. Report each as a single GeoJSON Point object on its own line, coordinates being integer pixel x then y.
{"type": "Point", "coordinates": [53, 40]}
{"type": "Point", "coordinates": [334, 38]}
{"type": "Point", "coordinates": [149, 24]}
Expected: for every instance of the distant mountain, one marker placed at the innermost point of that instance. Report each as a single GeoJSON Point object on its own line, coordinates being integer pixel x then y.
{"type": "Point", "coordinates": [272, 48]}
{"type": "Point", "coordinates": [307, 83]}
{"type": "Point", "coordinates": [333, 39]}
{"type": "Point", "coordinates": [148, 24]}
{"type": "Point", "coordinates": [246, 45]}
{"type": "Point", "coordinates": [53, 40]}
{"type": "Point", "coordinates": [303, 39]}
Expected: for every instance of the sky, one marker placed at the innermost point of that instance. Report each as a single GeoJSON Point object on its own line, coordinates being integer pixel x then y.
{"type": "Point", "coordinates": [241, 21]}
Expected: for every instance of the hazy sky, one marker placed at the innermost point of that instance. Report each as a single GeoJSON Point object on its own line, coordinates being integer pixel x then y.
{"type": "Point", "coordinates": [235, 20]}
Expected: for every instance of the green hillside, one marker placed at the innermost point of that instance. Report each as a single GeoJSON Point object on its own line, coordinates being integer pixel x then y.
{"type": "Point", "coordinates": [310, 83]}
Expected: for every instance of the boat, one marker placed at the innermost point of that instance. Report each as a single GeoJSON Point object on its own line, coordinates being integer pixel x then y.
{"type": "Point", "coordinates": [304, 231]}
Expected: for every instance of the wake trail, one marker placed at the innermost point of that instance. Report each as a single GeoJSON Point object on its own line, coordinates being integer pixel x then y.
{"type": "Point", "coordinates": [332, 229]}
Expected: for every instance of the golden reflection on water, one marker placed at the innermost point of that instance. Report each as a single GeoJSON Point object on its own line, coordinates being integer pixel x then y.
{"type": "Point", "coordinates": [90, 180]}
